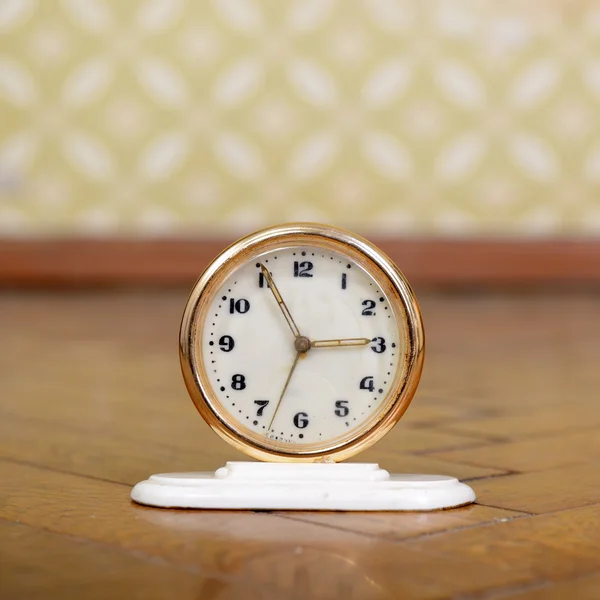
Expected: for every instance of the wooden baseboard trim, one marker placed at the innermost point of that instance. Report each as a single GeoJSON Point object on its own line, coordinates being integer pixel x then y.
{"type": "Point", "coordinates": [426, 262]}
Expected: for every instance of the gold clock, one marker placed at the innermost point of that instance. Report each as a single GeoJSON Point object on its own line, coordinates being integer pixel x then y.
{"type": "Point", "coordinates": [302, 342]}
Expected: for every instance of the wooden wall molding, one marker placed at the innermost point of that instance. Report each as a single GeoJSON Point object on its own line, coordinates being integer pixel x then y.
{"type": "Point", "coordinates": [426, 262]}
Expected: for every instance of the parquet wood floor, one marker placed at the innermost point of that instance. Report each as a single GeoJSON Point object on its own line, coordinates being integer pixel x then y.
{"type": "Point", "coordinates": [92, 401]}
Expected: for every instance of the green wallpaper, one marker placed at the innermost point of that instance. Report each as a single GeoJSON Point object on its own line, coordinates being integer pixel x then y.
{"type": "Point", "coordinates": [154, 117]}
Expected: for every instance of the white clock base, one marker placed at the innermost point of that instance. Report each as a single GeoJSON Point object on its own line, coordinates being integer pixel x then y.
{"type": "Point", "coordinates": [304, 486]}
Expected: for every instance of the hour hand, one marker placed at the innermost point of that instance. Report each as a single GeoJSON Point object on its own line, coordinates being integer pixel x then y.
{"type": "Point", "coordinates": [340, 343]}
{"type": "Point", "coordinates": [284, 309]}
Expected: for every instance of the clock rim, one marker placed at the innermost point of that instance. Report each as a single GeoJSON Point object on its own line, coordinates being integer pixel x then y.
{"type": "Point", "coordinates": [193, 367]}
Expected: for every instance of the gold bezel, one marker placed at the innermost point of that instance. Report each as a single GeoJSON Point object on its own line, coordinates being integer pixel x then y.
{"type": "Point", "coordinates": [402, 300]}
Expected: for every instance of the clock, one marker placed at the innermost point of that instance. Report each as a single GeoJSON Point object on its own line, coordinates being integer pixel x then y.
{"type": "Point", "coordinates": [302, 342]}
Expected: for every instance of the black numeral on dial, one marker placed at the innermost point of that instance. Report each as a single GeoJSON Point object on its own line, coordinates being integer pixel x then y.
{"type": "Point", "coordinates": [369, 306]}
{"type": "Point", "coordinates": [238, 382]}
{"type": "Point", "coordinates": [341, 408]}
{"type": "Point", "coordinates": [241, 306]}
{"type": "Point", "coordinates": [367, 383]}
{"type": "Point", "coordinates": [379, 345]}
{"type": "Point", "coordinates": [344, 281]}
{"type": "Point", "coordinates": [303, 268]}
{"type": "Point", "coordinates": [226, 343]}
{"type": "Point", "coordinates": [262, 404]}
{"type": "Point", "coordinates": [301, 420]}
{"type": "Point", "coordinates": [262, 282]}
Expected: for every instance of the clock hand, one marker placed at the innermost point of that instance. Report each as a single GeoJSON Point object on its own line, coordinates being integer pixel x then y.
{"type": "Point", "coordinates": [282, 306]}
{"type": "Point", "coordinates": [339, 343]}
{"type": "Point", "coordinates": [285, 387]}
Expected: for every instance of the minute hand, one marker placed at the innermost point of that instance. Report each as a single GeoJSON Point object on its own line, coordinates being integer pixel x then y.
{"type": "Point", "coordinates": [341, 342]}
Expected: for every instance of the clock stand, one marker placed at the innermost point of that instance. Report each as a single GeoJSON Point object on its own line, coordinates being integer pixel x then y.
{"type": "Point", "coordinates": [302, 486]}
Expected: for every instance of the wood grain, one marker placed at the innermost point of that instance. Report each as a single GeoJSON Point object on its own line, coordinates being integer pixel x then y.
{"type": "Point", "coordinates": [405, 526]}
{"type": "Point", "coordinates": [534, 454]}
{"type": "Point", "coordinates": [584, 588]}
{"type": "Point", "coordinates": [34, 563]}
{"type": "Point", "coordinates": [524, 425]}
{"type": "Point", "coordinates": [438, 262]}
{"type": "Point", "coordinates": [91, 401]}
{"type": "Point", "coordinates": [555, 546]}
{"type": "Point", "coordinates": [543, 491]}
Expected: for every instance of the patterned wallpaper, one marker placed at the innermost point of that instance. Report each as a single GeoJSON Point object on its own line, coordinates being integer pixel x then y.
{"type": "Point", "coordinates": [157, 117]}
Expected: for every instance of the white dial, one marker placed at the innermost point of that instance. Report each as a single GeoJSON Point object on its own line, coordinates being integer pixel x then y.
{"type": "Point", "coordinates": [312, 375]}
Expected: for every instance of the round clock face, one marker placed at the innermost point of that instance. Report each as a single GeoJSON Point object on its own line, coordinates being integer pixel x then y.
{"type": "Point", "coordinates": [299, 347]}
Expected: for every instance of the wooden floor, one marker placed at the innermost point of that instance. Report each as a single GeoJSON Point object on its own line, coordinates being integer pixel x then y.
{"type": "Point", "coordinates": [92, 401]}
